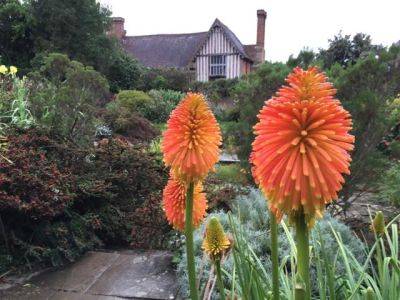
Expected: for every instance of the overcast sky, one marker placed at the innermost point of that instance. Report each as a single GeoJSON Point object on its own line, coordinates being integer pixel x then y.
{"type": "Point", "coordinates": [291, 24]}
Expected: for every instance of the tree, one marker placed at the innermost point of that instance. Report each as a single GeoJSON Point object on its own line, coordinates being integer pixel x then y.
{"type": "Point", "coordinates": [16, 41]}
{"type": "Point", "coordinates": [31, 30]}
{"type": "Point", "coordinates": [304, 59]}
{"type": "Point", "coordinates": [251, 94]}
{"type": "Point", "coordinates": [345, 51]}
{"type": "Point", "coordinates": [76, 28]}
{"type": "Point", "coordinates": [367, 88]}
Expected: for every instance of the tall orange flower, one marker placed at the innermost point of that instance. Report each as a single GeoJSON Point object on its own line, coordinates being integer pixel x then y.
{"type": "Point", "coordinates": [192, 139]}
{"type": "Point", "coordinates": [174, 199]}
{"type": "Point", "coordinates": [302, 145]}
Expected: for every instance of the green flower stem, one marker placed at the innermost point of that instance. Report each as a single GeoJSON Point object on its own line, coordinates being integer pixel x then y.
{"type": "Point", "coordinates": [189, 242]}
{"type": "Point", "coordinates": [274, 256]}
{"type": "Point", "coordinates": [302, 291]}
{"type": "Point", "coordinates": [219, 279]}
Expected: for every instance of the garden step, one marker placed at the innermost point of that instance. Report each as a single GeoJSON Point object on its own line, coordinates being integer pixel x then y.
{"type": "Point", "coordinates": [105, 275]}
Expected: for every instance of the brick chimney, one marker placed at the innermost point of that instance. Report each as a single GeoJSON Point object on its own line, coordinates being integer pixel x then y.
{"type": "Point", "coordinates": [261, 16]}
{"type": "Point", "coordinates": [117, 28]}
{"type": "Point", "coordinates": [260, 50]}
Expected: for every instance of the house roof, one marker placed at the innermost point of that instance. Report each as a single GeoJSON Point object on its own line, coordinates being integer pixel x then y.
{"type": "Point", "coordinates": [175, 50]}
{"type": "Point", "coordinates": [164, 50]}
{"type": "Point", "coordinates": [251, 51]}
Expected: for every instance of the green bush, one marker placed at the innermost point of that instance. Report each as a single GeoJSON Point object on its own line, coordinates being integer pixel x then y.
{"type": "Point", "coordinates": [65, 97]}
{"type": "Point", "coordinates": [134, 101]}
{"type": "Point", "coordinates": [130, 125]}
{"type": "Point", "coordinates": [155, 106]}
{"type": "Point", "coordinates": [390, 184]}
{"type": "Point", "coordinates": [251, 92]}
{"type": "Point", "coordinates": [231, 173]}
{"type": "Point", "coordinates": [164, 102]}
{"type": "Point", "coordinates": [165, 79]}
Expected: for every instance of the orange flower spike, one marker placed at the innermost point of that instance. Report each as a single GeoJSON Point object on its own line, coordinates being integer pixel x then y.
{"type": "Point", "coordinates": [174, 197]}
{"type": "Point", "coordinates": [192, 139]}
{"type": "Point", "coordinates": [302, 145]}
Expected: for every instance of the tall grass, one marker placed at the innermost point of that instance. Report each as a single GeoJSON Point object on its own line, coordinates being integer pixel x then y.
{"type": "Point", "coordinates": [377, 277]}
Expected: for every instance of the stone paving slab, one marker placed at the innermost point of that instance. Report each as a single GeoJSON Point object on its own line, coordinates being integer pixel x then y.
{"type": "Point", "coordinates": [141, 275]}
{"type": "Point", "coordinates": [80, 276]}
{"type": "Point", "coordinates": [104, 276]}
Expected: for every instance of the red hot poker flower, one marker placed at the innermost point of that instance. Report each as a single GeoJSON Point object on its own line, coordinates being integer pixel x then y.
{"type": "Point", "coordinates": [174, 199]}
{"type": "Point", "coordinates": [192, 139]}
{"type": "Point", "coordinates": [302, 145]}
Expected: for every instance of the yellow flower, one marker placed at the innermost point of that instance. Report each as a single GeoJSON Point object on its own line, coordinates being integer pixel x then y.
{"type": "Point", "coordinates": [3, 69]}
{"type": "Point", "coordinates": [215, 241]}
{"type": "Point", "coordinates": [378, 223]}
{"type": "Point", "coordinates": [13, 70]}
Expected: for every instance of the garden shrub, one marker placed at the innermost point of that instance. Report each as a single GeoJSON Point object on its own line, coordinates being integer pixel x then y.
{"type": "Point", "coordinates": [367, 89]}
{"type": "Point", "coordinates": [231, 173]}
{"type": "Point", "coordinates": [65, 96]}
{"type": "Point", "coordinates": [251, 92]}
{"type": "Point", "coordinates": [164, 102]}
{"type": "Point", "coordinates": [32, 186]}
{"type": "Point", "coordinates": [132, 126]}
{"type": "Point", "coordinates": [390, 184]}
{"type": "Point", "coordinates": [165, 79]}
{"type": "Point", "coordinates": [250, 215]}
{"type": "Point", "coordinates": [216, 90]}
{"type": "Point", "coordinates": [58, 200]}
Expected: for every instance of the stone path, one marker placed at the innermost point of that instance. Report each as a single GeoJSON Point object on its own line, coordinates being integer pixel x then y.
{"type": "Point", "coordinates": [104, 276]}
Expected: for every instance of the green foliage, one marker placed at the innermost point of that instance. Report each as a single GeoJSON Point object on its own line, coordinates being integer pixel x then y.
{"type": "Point", "coordinates": [165, 79]}
{"type": "Point", "coordinates": [390, 184]}
{"type": "Point", "coordinates": [231, 173]}
{"type": "Point", "coordinates": [65, 96]}
{"type": "Point", "coordinates": [249, 225]}
{"type": "Point", "coordinates": [304, 59]}
{"type": "Point", "coordinates": [155, 106]}
{"type": "Point", "coordinates": [215, 90]}
{"type": "Point", "coordinates": [133, 101]}
{"type": "Point", "coordinates": [14, 107]}
{"type": "Point", "coordinates": [16, 41]}
{"type": "Point", "coordinates": [123, 72]}
{"type": "Point", "coordinates": [32, 29]}
{"type": "Point", "coordinates": [345, 51]}
{"type": "Point", "coordinates": [130, 125]}
{"type": "Point", "coordinates": [164, 101]}
{"type": "Point", "coordinates": [251, 92]}
{"type": "Point", "coordinates": [367, 89]}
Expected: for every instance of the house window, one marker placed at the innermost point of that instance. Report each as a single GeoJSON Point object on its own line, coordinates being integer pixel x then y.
{"type": "Point", "coordinates": [218, 66]}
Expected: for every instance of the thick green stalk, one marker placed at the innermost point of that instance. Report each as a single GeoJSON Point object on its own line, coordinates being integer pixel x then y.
{"type": "Point", "coordinates": [219, 279]}
{"type": "Point", "coordinates": [274, 256]}
{"type": "Point", "coordinates": [302, 291]}
{"type": "Point", "coordinates": [189, 242]}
